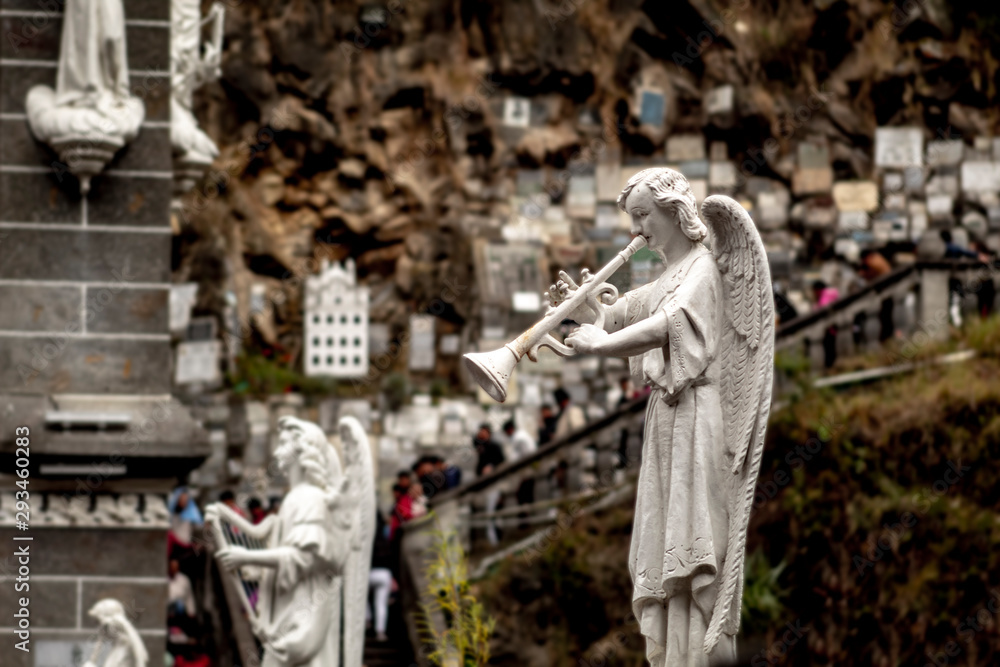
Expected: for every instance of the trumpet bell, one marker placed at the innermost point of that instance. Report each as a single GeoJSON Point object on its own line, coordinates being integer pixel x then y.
{"type": "Point", "coordinates": [492, 370]}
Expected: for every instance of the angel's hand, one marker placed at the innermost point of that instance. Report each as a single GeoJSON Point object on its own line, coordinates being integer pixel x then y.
{"type": "Point", "coordinates": [562, 291]}
{"type": "Point", "coordinates": [232, 557]}
{"type": "Point", "coordinates": [586, 338]}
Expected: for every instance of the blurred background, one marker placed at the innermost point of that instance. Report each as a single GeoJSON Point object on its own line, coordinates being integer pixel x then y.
{"type": "Point", "coordinates": [327, 203]}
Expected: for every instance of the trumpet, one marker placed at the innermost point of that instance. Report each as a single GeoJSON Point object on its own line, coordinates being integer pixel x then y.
{"type": "Point", "coordinates": [492, 370]}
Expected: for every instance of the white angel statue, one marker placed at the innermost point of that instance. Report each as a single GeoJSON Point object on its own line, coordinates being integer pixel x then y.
{"type": "Point", "coordinates": [127, 647]}
{"type": "Point", "coordinates": [702, 337]}
{"type": "Point", "coordinates": [297, 613]}
{"type": "Point", "coordinates": [358, 468]}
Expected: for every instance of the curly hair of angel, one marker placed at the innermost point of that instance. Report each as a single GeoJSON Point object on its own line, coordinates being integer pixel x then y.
{"type": "Point", "coordinates": [672, 192]}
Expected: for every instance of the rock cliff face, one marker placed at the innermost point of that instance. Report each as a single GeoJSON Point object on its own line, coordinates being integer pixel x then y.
{"type": "Point", "coordinates": [378, 131]}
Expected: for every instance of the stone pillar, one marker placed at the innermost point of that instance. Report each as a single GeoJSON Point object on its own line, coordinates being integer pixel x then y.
{"type": "Point", "coordinates": [932, 308]}
{"type": "Point", "coordinates": [85, 354]}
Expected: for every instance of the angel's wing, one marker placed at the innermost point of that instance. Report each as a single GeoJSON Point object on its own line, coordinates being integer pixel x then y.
{"type": "Point", "coordinates": [360, 470]}
{"type": "Point", "coordinates": [748, 367]}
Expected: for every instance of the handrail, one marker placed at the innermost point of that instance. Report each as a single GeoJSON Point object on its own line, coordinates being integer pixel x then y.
{"type": "Point", "coordinates": [804, 321]}
{"type": "Point", "coordinates": [543, 452]}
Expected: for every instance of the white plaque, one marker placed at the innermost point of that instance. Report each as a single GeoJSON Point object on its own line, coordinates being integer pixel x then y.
{"type": "Point", "coordinates": [517, 112]}
{"type": "Point", "coordinates": [899, 147]}
{"type": "Point", "coordinates": [526, 302]}
{"type": "Point", "coordinates": [450, 344]}
{"type": "Point", "coordinates": [198, 361]}
{"type": "Point", "coordinates": [181, 301]}
{"type": "Point", "coordinates": [421, 342]}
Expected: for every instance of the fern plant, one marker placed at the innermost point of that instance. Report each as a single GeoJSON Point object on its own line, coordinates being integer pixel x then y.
{"type": "Point", "coordinates": [465, 638]}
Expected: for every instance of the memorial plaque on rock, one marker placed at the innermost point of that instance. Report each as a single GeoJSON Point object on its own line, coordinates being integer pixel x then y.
{"type": "Point", "coordinates": [993, 217]}
{"type": "Point", "coordinates": [694, 169]}
{"type": "Point", "coordinates": [945, 153]}
{"type": "Point", "coordinates": [849, 221]}
{"type": "Point", "coordinates": [581, 198]}
{"type": "Point", "coordinates": [820, 217]}
{"type": "Point", "coordinates": [918, 219]}
{"type": "Point", "coordinates": [892, 181]}
{"type": "Point", "coordinates": [855, 196]}
{"type": "Point", "coordinates": [813, 155]}
{"type": "Point", "coordinates": [812, 180]}
{"type": "Point", "coordinates": [608, 217]}
{"type": "Point", "coordinates": [940, 207]}
{"type": "Point", "coordinates": [422, 353]}
{"type": "Point", "coordinates": [182, 299]}
{"type": "Point", "coordinates": [608, 177]}
{"type": "Point", "coordinates": [942, 184]}
{"type": "Point", "coordinates": [718, 151]}
{"type": "Point", "coordinates": [772, 210]}
{"type": "Point", "coordinates": [976, 223]}
{"type": "Point", "coordinates": [889, 229]}
{"type": "Point", "coordinates": [847, 248]}
{"type": "Point", "coordinates": [980, 176]}
{"type": "Point", "coordinates": [699, 187]}
{"type": "Point", "coordinates": [517, 112]}
{"type": "Point", "coordinates": [652, 107]}
{"type": "Point", "coordinates": [450, 344]}
{"type": "Point", "coordinates": [526, 302]}
{"type": "Point", "coordinates": [722, 175]}
{"type": "Point", "coordinates": [198, 361]}
{"type": "Point", "coordinates": [899, 147]}
{"type": "Point", "coordinates": [913, 179]}
{"type": "Point", "coordinates": [895, 202]}
{"type": "Point", "coordinates": [685, 147]}
{"type": "Point", "coordinates": [720, 101]}
{"type": "Point", "coordinates": [378, 338]}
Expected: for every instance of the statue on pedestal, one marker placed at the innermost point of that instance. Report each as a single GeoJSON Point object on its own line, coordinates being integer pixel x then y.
{"type": "Point", "coordinates": [190, 68]}
{"type": "Point", "coordinates": [702, 337]}
{"type": "Point", "coordinates": [297, 612]}
{"type": "Point", "coordinates": [127, 648]}
{"type": "Point", "coordinates": [91, 114]}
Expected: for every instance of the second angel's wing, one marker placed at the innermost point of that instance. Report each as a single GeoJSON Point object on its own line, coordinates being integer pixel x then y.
{"type": "Point", "coordinates": [748, 368]}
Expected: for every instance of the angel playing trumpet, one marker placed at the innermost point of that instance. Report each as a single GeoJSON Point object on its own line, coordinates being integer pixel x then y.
{"type": "Point", "coordinates": [702, 338]}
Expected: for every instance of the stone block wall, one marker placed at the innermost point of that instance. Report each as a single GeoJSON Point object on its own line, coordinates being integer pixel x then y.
{"type": "Point", "coordinates": [84, 282]}
{"type": "Point", "coordinates": [73, 568]}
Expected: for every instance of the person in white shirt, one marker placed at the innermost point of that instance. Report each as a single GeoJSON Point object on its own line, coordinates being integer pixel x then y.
{"type": "Point", "coordinates": [571, 417]}
{"type": "Point", "coordinates": [180, 597]}
{"type": "Point", "coordinates": [519, 442]}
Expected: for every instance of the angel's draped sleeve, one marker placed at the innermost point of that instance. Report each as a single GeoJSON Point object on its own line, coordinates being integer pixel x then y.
{"type": "Point", "coordinates": [693, 316]}
{"type": "Point", "coordinates": [306, 528]}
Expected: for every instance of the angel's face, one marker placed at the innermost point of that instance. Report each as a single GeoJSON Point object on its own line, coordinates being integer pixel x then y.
{"type": "Point", "coordinates": [659, 226]}
{"type": "Point", "coordinates": [288, 446]}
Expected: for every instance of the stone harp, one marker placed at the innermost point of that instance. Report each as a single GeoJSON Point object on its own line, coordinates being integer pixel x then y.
{"type": "Point", "coordinates": [492, 369]}
{"type": "Point", "coordinates": [245, 580]}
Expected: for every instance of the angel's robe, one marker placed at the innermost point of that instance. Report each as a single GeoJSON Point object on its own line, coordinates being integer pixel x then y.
{"type": "Point", "coordinates": [680, 532]}
{"type": "Point", "coordinates": [302, 596]}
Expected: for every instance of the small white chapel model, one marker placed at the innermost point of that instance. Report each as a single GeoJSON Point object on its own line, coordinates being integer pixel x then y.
{"type": "Point", "coordinates": [336, 323]}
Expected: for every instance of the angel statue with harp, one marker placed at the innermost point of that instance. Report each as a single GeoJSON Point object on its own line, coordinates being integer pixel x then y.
{"type": "Point", "coordinates": [305, 548]}
{"type": "Point", "coordinates": [702, 337]}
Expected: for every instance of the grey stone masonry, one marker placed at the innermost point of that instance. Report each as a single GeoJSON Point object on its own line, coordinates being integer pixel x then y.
{"type": "Point", "coordinates": [84, 282]}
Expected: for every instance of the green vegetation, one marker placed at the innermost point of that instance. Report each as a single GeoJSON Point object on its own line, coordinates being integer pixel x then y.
{"type": "Point", "coordinates": [259, 376]}
{"type": "Point", "coordinates": [876, 526]}
{"type": "Point", "coordinates": [467, 632]}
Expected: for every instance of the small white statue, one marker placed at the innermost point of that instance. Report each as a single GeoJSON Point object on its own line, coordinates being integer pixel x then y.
{"type": "Point", "coordinates": [127, 649]}
{"type": "Point", "coordinates": [297, 610]}
{"type": "Point", "coordinates": [91, 114]}
{"type": "Point", "coordinates": [702, 337]}
{"type": "Point", "coordinates": [189, 70]}
{"type": "Point", "coordinates": [358, 460]}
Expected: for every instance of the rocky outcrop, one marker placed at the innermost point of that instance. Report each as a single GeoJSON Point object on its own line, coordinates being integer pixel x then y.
{"type": "Point", "coordinates": [379, 132]}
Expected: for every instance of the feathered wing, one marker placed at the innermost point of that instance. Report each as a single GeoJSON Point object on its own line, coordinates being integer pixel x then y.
{"type": "Point", "coordinates": [747, 374]}
{"type": "Point", "coordinates": [362, 476]}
